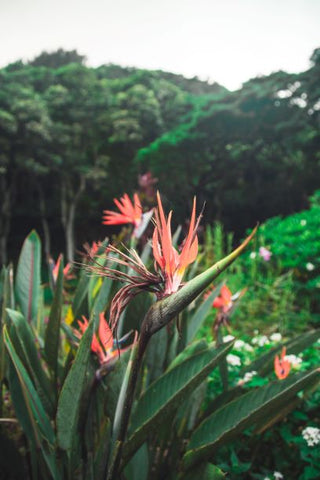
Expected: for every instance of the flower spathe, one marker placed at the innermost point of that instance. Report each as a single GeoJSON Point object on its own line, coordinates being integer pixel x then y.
{"type": "Point", "coordinates": [102, 344]}
{"type": "Point", "coordinates": [224, 300]}
{"type": "Point", "coordinates": [168, 261]}
{"type": "Point", "coordinates": [282, 365]}
{"type": "Point", "coordinates": [128, 213]}
{"type": "Point", "coordinates": [55, 269]}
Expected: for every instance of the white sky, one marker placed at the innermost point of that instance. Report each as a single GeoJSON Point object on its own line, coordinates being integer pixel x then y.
{"type": "Point", "coordinates": [228, 41]}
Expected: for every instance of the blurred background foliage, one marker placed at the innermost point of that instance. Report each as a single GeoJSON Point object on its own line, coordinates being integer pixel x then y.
{"type": "Point", "coordinates": [74, 137]}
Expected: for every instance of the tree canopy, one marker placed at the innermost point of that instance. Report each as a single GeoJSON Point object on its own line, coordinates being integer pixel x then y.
{"type": "Point", "coordinates": [73, 137]}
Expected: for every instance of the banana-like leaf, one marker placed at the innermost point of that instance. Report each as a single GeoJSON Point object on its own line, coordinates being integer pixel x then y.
{"type": "Point", "coordinates": [70, 397]}
{"type": "Point", "coordinates": [24, 342]}
{"type": "Point", "coordinates": [196, 321]}
{"type": "Point", "coordinates": [204, 471]}
{"type": "Point", "coordinates": [31, 407]}
{"type": "Point", "coordinates": [93, 289]}
{"type": "Point", "coordinates": [28, 277]}
{"type": "Point", "coordinates": [6, 301]}
{"type": "Point", "coordinates": [156, 355]}
{"type": "Point", "coordinates": [165, 395]}
{"type": "Point", "coordinates": [102, 298]}
{"type": "Point", "coordinates": [101, 451]}
{"type": "Point", "coordinates": [112, 383]}
{"type": "Point", "coordinates": [52, 335]}
{"type": "Point", "coordinates": [192, 349]}
{"type": "Point", "coordinates": [245, 411]}
{"type": "Point", "coordinates": [137, 468]}
{"type": "Point", "coordinates": [80, 294]}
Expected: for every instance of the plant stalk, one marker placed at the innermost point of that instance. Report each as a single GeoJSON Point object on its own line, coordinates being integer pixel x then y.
{"type": "Point", "coordinates": [113, 473]}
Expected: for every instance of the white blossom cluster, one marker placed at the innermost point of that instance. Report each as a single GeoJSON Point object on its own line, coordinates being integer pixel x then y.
{"type": "Point", "coordinates": [234, 360]}
{"type": "Point", "coordinates": [311, 435]}
{"type": "Point", "coordinates": [275, 476]}
{"type": "Point", "coordinates": [241, 345]}
{"type": "Point", "coordinates": [228, 338]}
{"type": "Point", "coordinates": [294, 360]}
{"type": "Point", "coordinates": [248, 376]}
{"type": "Point", "coordinates": [275, 337]}
{"type": "Point", "coordinates": [261, 340]}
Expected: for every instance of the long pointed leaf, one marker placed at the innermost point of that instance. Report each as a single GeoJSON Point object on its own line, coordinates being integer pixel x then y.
{"type": "Point", "coordinates": [52, 335]}
{"type": "Point", "coordinates": [38, 420]}
{"type": "Point", "coordinates": [166, 393]}
{"type": "Point", "coordinates": [234, 417]}
{"type": "Point", "coordinates": [70, 397]}
{"type": "Point", "coordinates": [197, 319]}
{"type": "Point", "coordinates": [28, 276]}
{"type": "Point", "coordinates": [24, 341]}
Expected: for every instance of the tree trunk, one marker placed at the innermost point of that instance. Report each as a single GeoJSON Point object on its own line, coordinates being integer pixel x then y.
{"type": "Point", "coordinates": [5, 220]}
{"type": "Point", "coordinates": [69, 201]}
{"type": "Point", "coordinates": [44, 222]}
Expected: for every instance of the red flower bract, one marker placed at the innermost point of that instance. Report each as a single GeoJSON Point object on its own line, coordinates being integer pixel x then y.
{"type": "Point", "coordinates": [281, 365]}
{"type": "Point", "coordinates": [224, 301]}
{"type": "Point", "coordinates": [168, 261]}
{"type": "Point", "coordinates": [103, 344]}
{"type": "Point", "coordinates": [129, 212]}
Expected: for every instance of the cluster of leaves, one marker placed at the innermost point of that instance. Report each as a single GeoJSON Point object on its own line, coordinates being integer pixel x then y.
{"type": "Point", "coordinates": [257, 147]}
{"type": "Point", "coordinates": [67, 129]}
{"type": "Point", "coordinates": [71, 409]}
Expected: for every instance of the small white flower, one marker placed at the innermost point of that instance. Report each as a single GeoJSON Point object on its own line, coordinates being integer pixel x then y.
{"type": "Point", "coordinates": [294, 360]}
{"type": "Point", "coordinates": [234, 360]}
{"type": "Point", "coordinates": [248, 376]}
{"type": "Point", "coordinates": [253, 255]}
{"type": "Point", "coordinates": [276, 337]}
{"type": "Point", "coordinates": [303, 222]}
{"type": "Point", "coordinates": [267, 478]}
{"type": "Point", "coordinates": [241, 345]}
{"type": "Point", "coordinates": [311, 435]}
{"type": "Point", "coordinates": [310, 266]}
{"type": "Point", "coordinates": [277, 475]}
{"type": "Point", "coordinates": [228, 338]}
{"type": "Point", "coordinates": [238, 344]}
{"type": "Point", "coordinates": [260, 340]}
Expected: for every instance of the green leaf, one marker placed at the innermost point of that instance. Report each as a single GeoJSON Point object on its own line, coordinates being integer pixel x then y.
{"type": "Point", "coordinates": [205, 471]}
{"type": "Point", "coordinates": [71, 394]}
{"type": "Point", "coordinates": [7, 301]}
{"type": "Point", "coordinates": [52, 335]}
{"type": "Point", "coordinates": [195, 322]}
{"type": "Point", "coordinates": [192, 349]}
{"type": "Point", "coordinates": [245, 411]}
{"type": "Point", "coordinates": [102, 299]}
{"type": "Point", "coordinates": [29, 408]}
{"type": "Point", "coordinates": [156, 355]}
{"type": "Point", "coordinates": [167, 393]}
{"type": "Point", "coordinates": [24, 342]}
{"type": "Point", "coordinates": [28, 277]}
{"type": "Point", "coordinates": [138, 467]}
{"type": "Point", "coordinates": [80, 293]}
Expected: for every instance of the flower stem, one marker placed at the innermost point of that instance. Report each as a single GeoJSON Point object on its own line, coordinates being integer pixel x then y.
{"type": "Point", "coordinates": [119, 434]}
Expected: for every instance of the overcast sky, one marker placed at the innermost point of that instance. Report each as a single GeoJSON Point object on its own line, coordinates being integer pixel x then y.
{"type": "Point", "coordinates": [228, 41]}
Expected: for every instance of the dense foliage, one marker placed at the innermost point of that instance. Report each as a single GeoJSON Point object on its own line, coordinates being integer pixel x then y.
{"type": "Point", "coordinates": [72, 137]}
{"type": "Point", "coordinates": [76, 405]}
